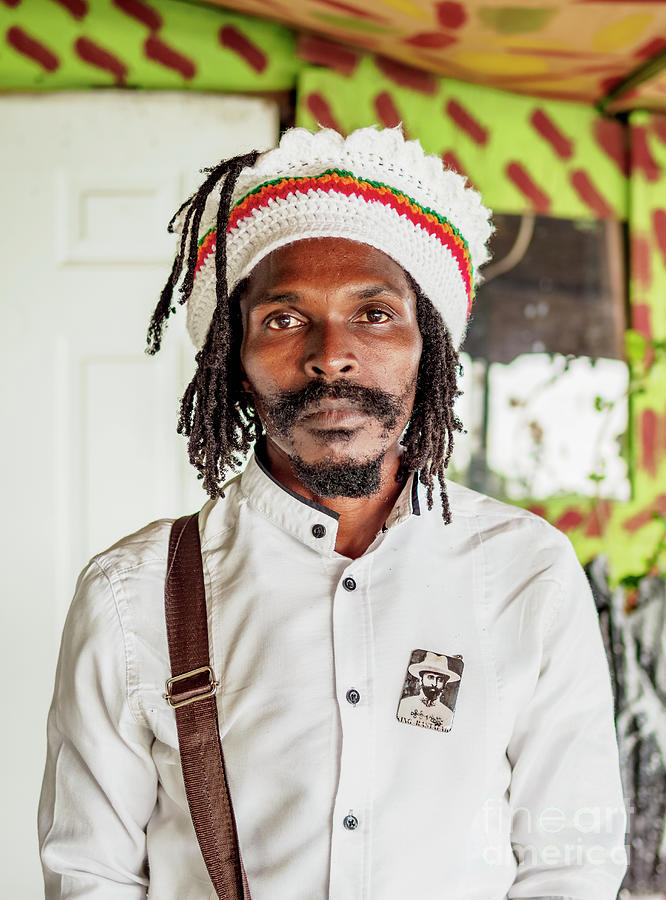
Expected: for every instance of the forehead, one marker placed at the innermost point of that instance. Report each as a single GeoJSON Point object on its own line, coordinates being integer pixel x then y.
{"type": "Point", "coordinates": [326, 263]}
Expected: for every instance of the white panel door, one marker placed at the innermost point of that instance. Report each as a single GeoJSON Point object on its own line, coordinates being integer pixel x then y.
{"type": "Point", "coordinates": [89, 447]}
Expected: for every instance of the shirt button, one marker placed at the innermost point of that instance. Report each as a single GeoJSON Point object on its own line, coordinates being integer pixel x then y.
{"type": "Point", "coordinates": [350, 822]}
{"type": "Point", "coordinates": [318, 531]}
{"type": "Point", "coordinates": [353, 696]}
{"type": "Point", "coordinates": [349, 584]}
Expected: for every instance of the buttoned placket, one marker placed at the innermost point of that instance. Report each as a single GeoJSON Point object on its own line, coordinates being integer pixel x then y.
{"type": "Point", "coordinates": [354, 667]}
{"type": "Point", "coordinates": [351, 833]}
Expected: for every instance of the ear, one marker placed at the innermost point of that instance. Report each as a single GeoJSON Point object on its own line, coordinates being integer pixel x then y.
{"type": "Point", "coordinates": [244, 380]}
{"type": "Point", "coordinates": [247, 387]}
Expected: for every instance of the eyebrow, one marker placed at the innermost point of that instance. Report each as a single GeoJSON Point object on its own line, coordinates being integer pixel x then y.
{"type": "Point", "coordinates": [366, 293]}
{"type": "Point", "coordinates": [280, 297]}
{"type": "Point", "coordinates": [376, 289]}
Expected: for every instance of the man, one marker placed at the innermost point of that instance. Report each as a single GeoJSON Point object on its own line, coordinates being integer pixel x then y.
{"type": "Point", "coordinates": [328, 284]}
{"type": "Point", "coordinates": [428, 708]}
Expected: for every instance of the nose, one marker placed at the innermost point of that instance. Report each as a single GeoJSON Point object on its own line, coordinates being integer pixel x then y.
{"type": "Point", "coordinates": [328, 353]}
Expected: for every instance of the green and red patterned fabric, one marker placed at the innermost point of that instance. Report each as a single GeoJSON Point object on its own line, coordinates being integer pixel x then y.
{"type": "Point", "coordinates": [565, 49]}
{"type": "Point", "coordinates": [568, 49]}
{"type": "Point", "coordinates": [169, 44]}
{"type": "Point", "coordinates": [554, 157]}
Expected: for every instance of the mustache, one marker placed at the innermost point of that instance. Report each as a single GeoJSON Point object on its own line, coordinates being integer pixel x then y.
{"type": "Point", "coordinates": [286, 407]}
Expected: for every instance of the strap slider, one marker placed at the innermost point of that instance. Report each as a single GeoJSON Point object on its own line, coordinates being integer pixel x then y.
{"type": "Point", "coordinates": [192, 693]}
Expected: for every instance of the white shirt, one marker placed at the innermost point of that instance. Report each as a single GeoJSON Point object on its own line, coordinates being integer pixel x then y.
{"type": "Point", "coordinates": [520, 799]}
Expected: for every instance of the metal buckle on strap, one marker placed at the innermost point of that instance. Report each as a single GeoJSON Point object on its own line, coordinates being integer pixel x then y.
{"type": "Point", "coordinates": [207, 691]}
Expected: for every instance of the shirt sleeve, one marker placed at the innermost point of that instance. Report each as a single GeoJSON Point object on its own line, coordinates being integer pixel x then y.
{"type": "Point", "coordinates": [567, 807]}
{"type": "Point", "coordinates": [100, 783]}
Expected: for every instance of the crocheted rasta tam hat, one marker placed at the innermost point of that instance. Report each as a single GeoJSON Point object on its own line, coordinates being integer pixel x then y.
{"type": "Point", "coordinates": [373, 187]}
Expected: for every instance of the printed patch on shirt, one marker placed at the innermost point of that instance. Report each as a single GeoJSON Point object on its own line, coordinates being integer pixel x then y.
{"type": "Point", "coordinates": [430, 690]}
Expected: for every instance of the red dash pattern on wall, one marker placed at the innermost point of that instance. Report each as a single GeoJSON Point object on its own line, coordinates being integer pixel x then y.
{"type": "Point", "coordinates": [159, 52]}
{"type": "Point", "coordinates": [32, 48]}
{"type": "Point", "coordinates": [589, 194]}
{"type": "Point", "coordinates": [658, 127]}
{"type": "Point", "coordinates": [321, 111]}
{"type": "Point", "coordinates": [97, 56]}
{"type": "Point", "coordinates": [569, 520]}
{"type": "Point", "coordinates": [642, 159]}
{"type": "Point", "coordinates": [611, 136]}
{"type": "Point", "coordinates": [641, 262]}
{"type": "Point", "coordinates": [234, 39]}
{"type": "Point", "coordinates": [647, 515]}
{"type": "Point", "coordinates": [539, 200]}
{"type": "Point", "coordinates": [547, 129]}
{"type": "Point", "coordinates": [451, 161]}
{"type": "Point", "coordinates": [76, 8]}
{"type": "Point", "coordinates": [387, 111]}
{"type": "Point", "coordinates": [659, 226]}
{"type": "Point", "coordinates": [649, 441]}
{"type": "Point", "coordinates": [466, 122]}
{"type": "Point", "coordinates": [141, 12]}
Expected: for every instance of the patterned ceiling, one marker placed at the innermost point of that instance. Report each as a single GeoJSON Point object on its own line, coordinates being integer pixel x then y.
{"type": "Point", "coordinates": [568, 49]}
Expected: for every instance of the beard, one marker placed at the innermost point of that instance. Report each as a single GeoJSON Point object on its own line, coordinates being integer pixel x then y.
{"type": "Point", "coordinates": [330, 477]}
{"type": "Point", "coordinates": [340, 479]}
{"type": "Point", "coordinates": [431, 692]}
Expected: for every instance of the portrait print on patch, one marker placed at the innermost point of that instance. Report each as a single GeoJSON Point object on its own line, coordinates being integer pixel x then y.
{"type": "Point", "coordinates": [430, 690]}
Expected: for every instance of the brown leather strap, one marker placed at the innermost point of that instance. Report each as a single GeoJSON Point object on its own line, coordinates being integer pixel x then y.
{"type": "Point", "coordinates": [198, 733]}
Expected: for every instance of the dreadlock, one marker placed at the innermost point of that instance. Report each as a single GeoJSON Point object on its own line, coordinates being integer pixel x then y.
{"type": "Point", "coordinates": [429, 437]}
{"type": "Point", "coordinates": [196, 204]}
{"type": "Point", "coordinates": [219, 417]}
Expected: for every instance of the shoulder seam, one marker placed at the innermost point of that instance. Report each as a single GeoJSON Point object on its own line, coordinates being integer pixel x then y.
{"type": "Point", "coordinates": [115, 573]}
{"type": "Point", "coordinates": [124, 637]}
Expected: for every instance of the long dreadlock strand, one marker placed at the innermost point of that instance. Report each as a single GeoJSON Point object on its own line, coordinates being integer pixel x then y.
{"type": "Point", "coordinates": [189, 243]}
{"type": "Point", "coordinates": [429, 438]}
{"type": "Point", "coordinates": [165, 306]}
{"type": "Point", "coordinates": [207, 410]}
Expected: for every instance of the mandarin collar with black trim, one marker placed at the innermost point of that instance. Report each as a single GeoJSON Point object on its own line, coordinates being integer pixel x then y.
{"type": "Point", "coordinates": [303, 518]}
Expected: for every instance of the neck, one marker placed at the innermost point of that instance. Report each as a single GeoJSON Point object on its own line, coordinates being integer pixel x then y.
{"type": "Point", "coordinates": [361, 518]}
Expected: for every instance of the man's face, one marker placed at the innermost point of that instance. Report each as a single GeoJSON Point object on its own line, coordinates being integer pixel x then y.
{"type": "Point", "coordinates": [330, 352]}
{"type": "Point", "coordinates": [432, 684]}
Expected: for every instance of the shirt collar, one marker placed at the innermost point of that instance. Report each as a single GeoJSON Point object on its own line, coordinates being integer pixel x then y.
{"type": "Point", "coordinates": [308, 521]}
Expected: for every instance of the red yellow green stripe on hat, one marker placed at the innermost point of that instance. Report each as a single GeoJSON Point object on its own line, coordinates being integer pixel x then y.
{"type": "Point", "coordinates": [342, 182]}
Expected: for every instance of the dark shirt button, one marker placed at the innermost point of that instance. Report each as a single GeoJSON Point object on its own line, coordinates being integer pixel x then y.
{"type": "Point", "coordinates": [318, 531]}
{"type": "Point", "coordinates": [353, 696]}
{"type": "Point", "coordinates": [349, 584]}
{"type": "Point", "coordinates": [350, 822]}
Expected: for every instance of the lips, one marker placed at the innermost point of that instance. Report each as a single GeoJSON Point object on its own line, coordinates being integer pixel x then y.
{"type": "Point", "coordinates": [332, 413]}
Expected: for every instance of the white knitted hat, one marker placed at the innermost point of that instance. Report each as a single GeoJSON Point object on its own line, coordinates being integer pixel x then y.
{"type": "Point", "coordinates": [373, 187]}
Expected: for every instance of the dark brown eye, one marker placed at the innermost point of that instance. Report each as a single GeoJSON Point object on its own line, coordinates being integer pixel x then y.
{"type": "Point", "coordinates": [374, 316]}
{"type": "Point", "coordinates": [282, 322]}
